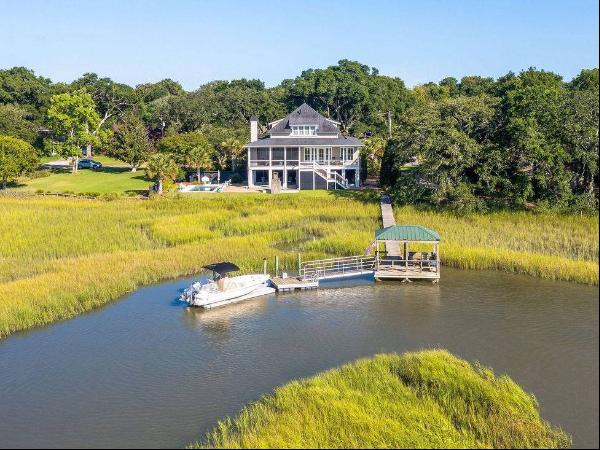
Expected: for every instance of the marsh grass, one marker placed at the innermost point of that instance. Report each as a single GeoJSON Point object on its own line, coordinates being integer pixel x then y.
{"type": "Point", "coordinates": [60, 257]}
{"type": "Point", "coordinates": [547, 245]}
{"type": "Point", "coordinates": [428, 399]}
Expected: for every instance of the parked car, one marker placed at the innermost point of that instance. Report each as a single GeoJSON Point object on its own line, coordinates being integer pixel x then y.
{"type": "Point", "coordinates": [89, 164]}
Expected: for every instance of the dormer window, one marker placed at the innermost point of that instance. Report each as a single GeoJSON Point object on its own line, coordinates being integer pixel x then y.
{"type": "Point", "coordinates": [304, 130]}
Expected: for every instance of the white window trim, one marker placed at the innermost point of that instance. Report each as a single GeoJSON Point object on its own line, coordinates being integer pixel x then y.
{"type": "Point", "coordinates": [347, 151]}
{"type": "Point", "coordinates": [314, 154]}
{"type": "Point", "coordinates": [304, 130]}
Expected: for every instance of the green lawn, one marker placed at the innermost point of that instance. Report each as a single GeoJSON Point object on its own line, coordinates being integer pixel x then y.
{"type": "Point", "coordinates": [92, 181]}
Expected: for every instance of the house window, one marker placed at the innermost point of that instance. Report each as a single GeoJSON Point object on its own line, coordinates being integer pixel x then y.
{"type": "Point", "coordinates": [277, 154]}
{"type": "Point", "coordinates": [347, 153]}
{"type": "Point", "coordinates": [319, 154]}
{"type": "Point", "coordinates": [304, 130]}
{"type": "Point", "coordinates": [262, 154]}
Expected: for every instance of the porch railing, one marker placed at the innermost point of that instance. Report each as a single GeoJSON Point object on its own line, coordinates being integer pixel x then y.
{"type": "Point", "coordinates": [295, 162]}
{"type": "Point", "coordinates": [404, 265]}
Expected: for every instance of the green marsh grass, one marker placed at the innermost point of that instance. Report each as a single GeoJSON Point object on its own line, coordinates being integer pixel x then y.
{"type": "Point", "coordinates": [428, 399]}
{"type": "Point", "coordinates": [60, 257]}
{"type": "Point", "coordinates": [547, 245]}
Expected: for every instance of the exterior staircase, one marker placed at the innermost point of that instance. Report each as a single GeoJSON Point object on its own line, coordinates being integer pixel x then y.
{"type": "Point", "coordinates": [333, 179]}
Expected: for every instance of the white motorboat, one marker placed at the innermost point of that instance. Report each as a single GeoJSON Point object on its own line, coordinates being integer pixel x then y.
{"type": "Point", "coordinates": [222, 289]}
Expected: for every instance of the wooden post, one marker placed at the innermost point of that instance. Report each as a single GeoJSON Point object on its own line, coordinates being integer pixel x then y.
{"type": "Point", "coordinates": [265, 266]}
{"type": "Point", "coordinates": [276, 265]}
{"type": "Point", "coordinates": [299, 264]}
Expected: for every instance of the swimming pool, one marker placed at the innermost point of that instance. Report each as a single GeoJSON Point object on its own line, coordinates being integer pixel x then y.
{"type": "Point", "coordinates": [201, 188]}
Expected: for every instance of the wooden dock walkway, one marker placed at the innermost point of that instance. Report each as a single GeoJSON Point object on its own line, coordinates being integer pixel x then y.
{"type": "Point", "coordinates": [293, 284]}
{"type": "Point", "coordinates": [387, 217]}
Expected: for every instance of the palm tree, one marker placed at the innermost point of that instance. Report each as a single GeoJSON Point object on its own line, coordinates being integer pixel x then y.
{"type": "Point", "coordinates": [161, 166]}
{"type": "Point", "coordinates": [199, 157]}
{"type": "Point", "coordinates": [232, 148]}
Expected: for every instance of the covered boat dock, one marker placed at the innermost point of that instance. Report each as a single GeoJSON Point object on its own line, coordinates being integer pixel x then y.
{"type": "Point", "coordinates": [424, 263]}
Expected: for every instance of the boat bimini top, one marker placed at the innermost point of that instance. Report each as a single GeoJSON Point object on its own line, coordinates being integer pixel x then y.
{"type": "Point", "coordinates": [222, 268]}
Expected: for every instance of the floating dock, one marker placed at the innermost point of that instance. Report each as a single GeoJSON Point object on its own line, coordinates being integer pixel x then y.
{"type": "Point", "coordinates": [293, 284]}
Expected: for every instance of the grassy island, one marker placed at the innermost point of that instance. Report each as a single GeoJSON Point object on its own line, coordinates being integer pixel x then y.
{"type": "Point", "coordinates": [428, 399]}
{"type": "Point", "coordinates": [63, 256]}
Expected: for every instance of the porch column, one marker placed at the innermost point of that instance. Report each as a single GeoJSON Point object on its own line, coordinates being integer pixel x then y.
{"type": "Point", "coordinates": [358, 168]}
{"type": "Point", "coordinates": [270, 165]}
{"type": "Point", "coordinates": [250, 180]}
{"type": "Point", "coordinates": [284, 180]}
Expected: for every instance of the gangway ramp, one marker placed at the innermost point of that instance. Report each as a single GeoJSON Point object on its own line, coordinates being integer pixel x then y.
{"type": "Point", "coordinates": [347, 266]}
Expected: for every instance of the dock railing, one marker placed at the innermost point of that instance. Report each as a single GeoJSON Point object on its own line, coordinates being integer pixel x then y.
{"type": "Point", "coordinates": [412, 265]}
{"type": "Point", "coordinates": [337, 267]}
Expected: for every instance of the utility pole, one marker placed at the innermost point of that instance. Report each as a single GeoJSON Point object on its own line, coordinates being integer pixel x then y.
{"type": "Point", "coordinates": [389, 116]}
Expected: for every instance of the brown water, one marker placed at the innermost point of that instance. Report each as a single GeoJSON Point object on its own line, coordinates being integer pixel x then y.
{"type": "Point", "coordinates": [146, 372]}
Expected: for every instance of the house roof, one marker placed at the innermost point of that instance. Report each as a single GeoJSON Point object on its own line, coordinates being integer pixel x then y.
{"type": "Point", "coordinates": [306, 141]}
{"type": "Point", "coordinates": [407, 233]}
{"type": "Point", "coordinates": [304, 115]}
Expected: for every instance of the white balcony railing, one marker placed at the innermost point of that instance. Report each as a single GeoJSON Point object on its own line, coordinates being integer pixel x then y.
{"type": "Point", "coordinates": [294, 163]}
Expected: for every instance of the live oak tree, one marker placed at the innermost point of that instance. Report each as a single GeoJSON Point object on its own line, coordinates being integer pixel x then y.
{"type": "Point", "coordinates": [350, 93]}
{"type": "Point", "coordinates": [533, 108]}
{"type": "Point", "coordinates": [449, 138]}
{"type": "Point", "coordinates": [111, 99]}
{"type": "Point", "coordinates": [156, 105]}
{"type": "Point", "coordinates": [130, 141]}
{"type": "Point", "coordinates": [161, 167]}
{"type": "Point", "coordinates": [74, 118]}
{"type": "Point", "coordinates": [229, 104]}
{"type": "Point", "coordinates": [580, 133]}
{"type": "Point", "coordinates": [15, 121]}
{"type": "Point", "coordinates": [21, 86]}
{"type": "Point", "coordinates": [17, 158]}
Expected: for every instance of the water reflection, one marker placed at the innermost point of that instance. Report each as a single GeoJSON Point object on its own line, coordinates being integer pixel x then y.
{"type": "Point", "coordinates": [221, 321]}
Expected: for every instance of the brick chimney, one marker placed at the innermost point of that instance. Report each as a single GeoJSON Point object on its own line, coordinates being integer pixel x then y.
{"type": "Point", "coordinates": [253, 129]}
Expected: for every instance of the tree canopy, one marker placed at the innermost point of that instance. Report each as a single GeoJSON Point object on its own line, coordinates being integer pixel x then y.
{"type": "Point", "coordinates": [526, 139]}
{"type": "Point", "coordinates": [74, 118]}
{"type": "Point", "coordinates": [17, 157]}
{"type": "Point", "coordinates": [130, 141]}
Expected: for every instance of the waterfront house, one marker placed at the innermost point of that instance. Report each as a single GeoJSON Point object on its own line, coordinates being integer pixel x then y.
{"type": "Point", "coordinates": [304, 150]}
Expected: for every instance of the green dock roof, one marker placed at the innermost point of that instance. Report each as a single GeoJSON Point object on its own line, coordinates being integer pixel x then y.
{"type": "Point", "coordinates": [407, 233]}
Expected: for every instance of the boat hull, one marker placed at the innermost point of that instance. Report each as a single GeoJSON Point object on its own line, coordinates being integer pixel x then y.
{"type": "Point", "coordinates": [211, 294]}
